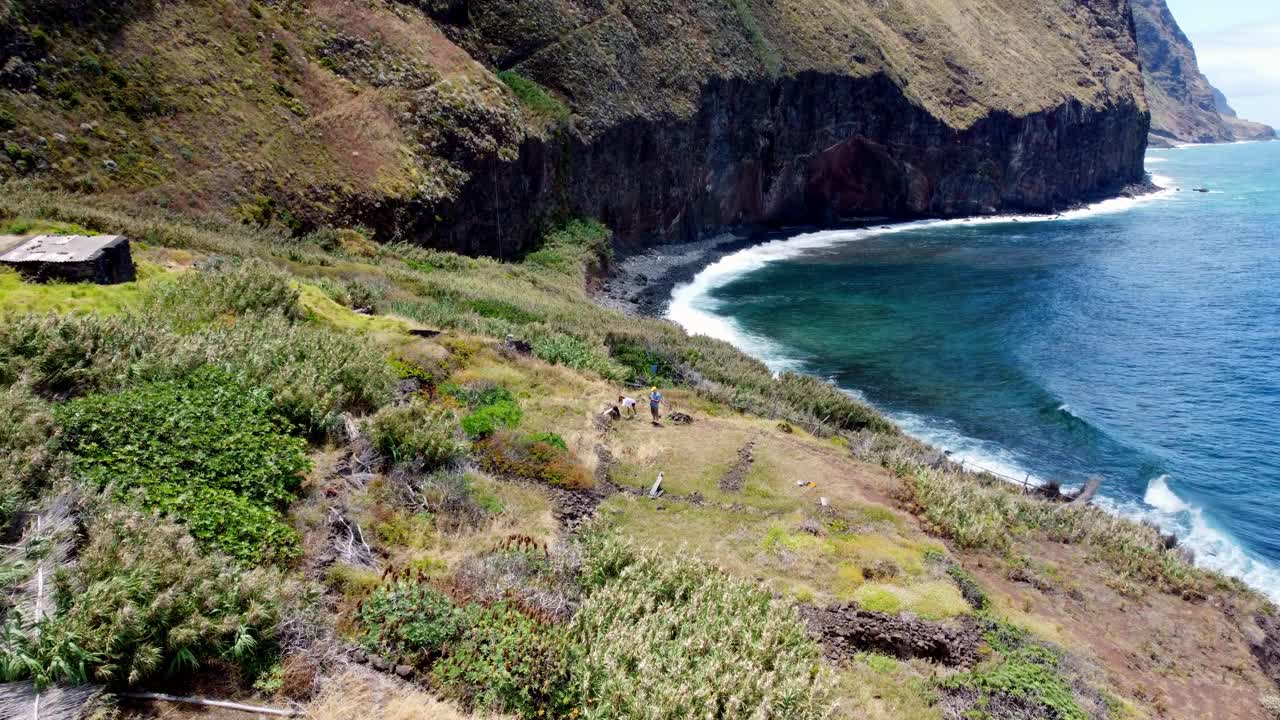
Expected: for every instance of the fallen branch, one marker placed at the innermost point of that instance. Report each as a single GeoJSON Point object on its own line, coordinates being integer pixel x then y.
{"type": "Point", "coordinates": [1086, 495]}
{"type": "Point", "coordinates": [213, 703]}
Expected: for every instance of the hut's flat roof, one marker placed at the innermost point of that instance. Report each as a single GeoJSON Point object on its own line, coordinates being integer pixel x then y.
{"type": "Point", "coordinates": [61, 248]}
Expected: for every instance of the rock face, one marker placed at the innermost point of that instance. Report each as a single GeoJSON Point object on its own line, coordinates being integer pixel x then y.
{"type": "Point", "coordinates": [1185, 107]}
{"type": "Point", "coordinates": [812, 149]}
{"type": "Point", "coordinates": [846, 630]}
{"type": "Point", "coordinates": [472, 124]}
{"type": "Point", "coordinates": [694, 116]}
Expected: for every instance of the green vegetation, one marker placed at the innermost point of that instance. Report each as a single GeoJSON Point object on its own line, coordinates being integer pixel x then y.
{"type": "Point", "coordinates": [575, 247]}
{"type": "Point", "coordinates": [765, 51]}
{"type": "Point", "coordinates": [262, 347]}
{"type": "Point", "coordinates": [534, 97]}
{"type": "Point", "coordinates": [1025, 673]}
{"type": "Point", "coordinates": [28, 462]}
{"type": "Point", "coordinates": [493, 408]}
{"type": "Point", "coordinates": [576, 353]}
{"type": "Point", "coordinates": [207, 449]}
{"type": "Point", "coordinates": [991, 514]}
{"type": "Point", "coordinates": [17, 296]}
{"type": "Point", "coordinates": [140, 602]}
{"type": "Point", "coordinates": [417, 432]}
{"type": "Point", "coordinates": [406, 619]}
{"type": "Point", "coordinates": [312, 374]}
{"type": "Point", "coordinates": [643, 613]}
{"type": "Point", "coordinates": [506, 661]}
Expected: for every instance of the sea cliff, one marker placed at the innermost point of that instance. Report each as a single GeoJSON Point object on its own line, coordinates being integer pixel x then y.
{"type": "Point", "coordinates": [471, 125]}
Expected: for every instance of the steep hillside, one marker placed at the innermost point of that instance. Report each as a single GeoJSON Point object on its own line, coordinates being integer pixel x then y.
{"type": "Point", "coordinates": [470, 127]}
{"type": "Point", "coordinates": [1185, 107]}
{"type": "Point", "coordinates": [379, 481]}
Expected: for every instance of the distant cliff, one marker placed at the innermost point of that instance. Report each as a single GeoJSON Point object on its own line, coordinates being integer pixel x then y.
{"type": "Point", "coordinates": [469, 124]}
{"type": "Point", "coordinates": [1185, 107]}
{"type": "Point", "coordinates": [1242, 129]}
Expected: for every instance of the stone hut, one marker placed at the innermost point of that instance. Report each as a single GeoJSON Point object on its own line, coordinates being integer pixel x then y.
{"type": "Point", "coordinates": [102, 259]}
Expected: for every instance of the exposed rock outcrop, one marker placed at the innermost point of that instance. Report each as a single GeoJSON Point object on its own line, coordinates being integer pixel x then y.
{"type": "Point", "coordinates": [471, 124]}
{"type": "Point", "coordinates": [846, 630]}
{"type": "Point", "coordinates": [694, 116]}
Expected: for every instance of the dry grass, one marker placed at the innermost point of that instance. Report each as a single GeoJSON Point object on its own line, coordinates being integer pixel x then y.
{"type": "Point", "coordinates": [357, 693]}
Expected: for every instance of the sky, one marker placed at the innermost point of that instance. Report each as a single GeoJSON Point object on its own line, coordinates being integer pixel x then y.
{"type": "Point", "coordinates": [1238, 46]}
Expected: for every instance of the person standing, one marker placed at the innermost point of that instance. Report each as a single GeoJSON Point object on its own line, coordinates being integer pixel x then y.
{"type": "Point", "coordinates": [655, 404]}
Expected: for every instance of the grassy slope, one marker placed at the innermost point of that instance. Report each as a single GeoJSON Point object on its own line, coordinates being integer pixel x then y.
{"type": "Point", "coordinates": [1135, 621]}
{"type": "Point", "coordinates": [290, 114]}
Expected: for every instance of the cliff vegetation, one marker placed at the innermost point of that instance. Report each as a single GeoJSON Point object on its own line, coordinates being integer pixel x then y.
{"type": "Point", "coordinates": [416, 496]}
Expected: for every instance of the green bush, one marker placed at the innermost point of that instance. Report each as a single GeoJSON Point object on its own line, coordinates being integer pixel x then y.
{"type": "Point", "coordinates": [509, 663]}
{"type": "Point", "coordinates": [494, 408]}
{"type": "Point", "coordinates": [28, 461]}
{"type": "Point", "coordinates": [141, 602]}
{"type": "Point", "coordinates": [1025, 673]}
{"type": "Point", "coordinates": [644, 365]}
{"type": "Point", "coordinates": [208, 449]}
{"type": "Point", "coordinates": [534, 96]}
{"type": "Point", "coordinates": [573, 352]}
{"type": "Point", "coordinates": [576, 247]}
{"type": "Point", "coordinates": [404, 619]}
{"type": "Point", "coordinates": [417, 432]}
{"type": "Point", "coordinates": [314, 374]}
{"type": "Point", "coordinates": [245, 288]}
{"type": "Point", "coordinates": [550, 438]}
{"type": "Point", "coordinates": [722, 647]}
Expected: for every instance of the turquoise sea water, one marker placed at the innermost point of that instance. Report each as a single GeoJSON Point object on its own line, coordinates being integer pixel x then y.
{"type": "Point", "coordinates": [1136, 340]}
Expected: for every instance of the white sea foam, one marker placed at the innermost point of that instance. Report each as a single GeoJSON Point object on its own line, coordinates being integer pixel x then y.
{"type": "Point", "coordinates": [1160, 497]}
{"type": "Point", "coordinates": [693, 308]}
{"type": "Point", "coordinates": [1213, 548]}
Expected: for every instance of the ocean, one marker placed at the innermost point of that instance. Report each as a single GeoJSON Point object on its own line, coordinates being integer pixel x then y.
{"type": "Point", "coordinates": [1137, 339]}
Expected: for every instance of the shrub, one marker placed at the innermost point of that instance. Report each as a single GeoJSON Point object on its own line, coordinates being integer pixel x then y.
{"type": "Point", "coordinates": [313, 373]}
{"type": "Point", "coordinates": [27, 459]}
{"type": "Point", "coordinates": [418, 433]}
{"type": "Point", "coordinates": [224, 288]}
{"type": "Point", "coordinates": [979, 514]}
{"type": "Point", "coordinates": [577, 354]}
{"type": "Point", "coordinates": [534, 96]}
{"type": "Point", "coordinates": [549, 438]}
{"type": "Point", "coordinates": [507, 662]}
{"type": "Point", "coordinates": [407, 619]}
{"type": "Point", "coordinates": [722, 647]}
{"type": "Point", "coordinates": [69, 355]}
{"type": "Point", "coordinates": [576, 247]}
{"type": "Point", "coordinates": [521, 571]}
{"type": "Point", "coordinates": [208, 449]}
{"type": "Point", "coordinates": [1026, 674]}
{"type": "Point", "coordinates": [969, 587]}
{"type": "Point", "coordinates": [140, 602]}
{"type": "Point", "coordinates": [507, 454]}
{"type": "Point", "coordinates": [494, 408]}
{"type": "Point", "coordinates": [644, 365]}
{"type": "Point", "coordinates": [452, 498]}
{"type": "Point", "coordinates": [361, 294]}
